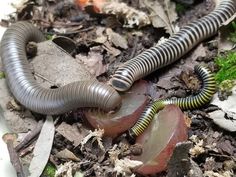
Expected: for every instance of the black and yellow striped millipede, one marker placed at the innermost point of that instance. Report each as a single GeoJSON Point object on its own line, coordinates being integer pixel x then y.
{"type": "Point", "coordinates": [164, 54]}
{"type": "Point", "coordinates": [191, 102]}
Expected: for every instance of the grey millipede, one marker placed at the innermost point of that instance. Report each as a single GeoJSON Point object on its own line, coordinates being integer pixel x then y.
{"type": "Point", "coordinates": [176, 46]}
{"type": "Point", "coordinates": [41, 100]}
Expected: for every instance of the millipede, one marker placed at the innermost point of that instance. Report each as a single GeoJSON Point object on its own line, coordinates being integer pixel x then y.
{"type": "Point", "coordinates": [37, 98]}
{"type": "Point", "coordinates": [190, 102]}
{"type": "Point", "coordinates": [168, 52]}
{"type": "Point", "coordinates": [95, 94]}
{"type": "Point", "coordinates": [172, 49]}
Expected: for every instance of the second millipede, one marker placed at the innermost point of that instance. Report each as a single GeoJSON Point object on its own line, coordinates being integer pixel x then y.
{"type": "Point", "coordinates": [164, 54]}
{"type": "Point", "coordinates": [191, 102]}
{"type": "Point", "coordinates": [175, 47]}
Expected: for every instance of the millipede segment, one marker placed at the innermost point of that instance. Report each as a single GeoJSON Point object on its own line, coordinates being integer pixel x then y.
{"type": "Point", "coordinates": [191, 102]}
{"type": "Point", "coordinates": [175, 47]}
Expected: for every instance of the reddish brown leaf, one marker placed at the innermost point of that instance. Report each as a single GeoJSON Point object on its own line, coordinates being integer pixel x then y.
{"type": "Point", "coordinates": [159, 140]}
{"type": "Point", "coordinates": [133, 103]}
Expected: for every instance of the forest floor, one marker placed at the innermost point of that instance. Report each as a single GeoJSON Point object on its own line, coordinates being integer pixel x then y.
{"type": "Point", "coordinates": [104, 39]}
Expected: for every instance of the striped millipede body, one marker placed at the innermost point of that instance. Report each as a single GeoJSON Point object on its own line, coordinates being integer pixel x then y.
{"type": "Point", "coordinates": [164, 54]}
{"type": "Point", "coordinates": [176, 46]}
{"type": "Point", "coordinates": [41, 100]}
{"type": "Point", "coordinates": [191, 102]}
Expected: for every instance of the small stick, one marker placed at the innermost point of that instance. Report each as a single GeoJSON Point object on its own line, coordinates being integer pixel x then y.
{"type": "Point", "coordinates": [44, 78]}
{"type": "Point", "coordinates": [133, 52]}
{"type": "Point", "coordinates": [9, 138]}
{"type": "Point", "coordinates": [29, 137]}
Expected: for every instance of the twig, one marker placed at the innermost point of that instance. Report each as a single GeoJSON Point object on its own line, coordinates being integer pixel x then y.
{"type": "Point", "coordinates": [26, 150]}
{"type": "Point", "coordinates": [29, 137]}
{"type": "Point", "coordinates": [133, 53]}
{"type": "Point", "coordinates": [9, 138]}
{"type": "Point", "coordinates": [44, 78]}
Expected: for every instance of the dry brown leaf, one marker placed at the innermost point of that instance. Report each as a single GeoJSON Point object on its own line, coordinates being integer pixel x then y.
{"type": "Point", "coordinates": [112, 50]}
{"type": "Point", "coordinates": [124, 166]}
{"type": "Point", "coordinates": [96, 135]}
{"type": "Point", "coordinates": [101, 37]}
{"type": "Point", "coordinates": [215, 174]}
{"type": "Point", "coordinates": [226, 117]}
{"type": "Point", "coordinates": [72, 133]}
{"type": "Point", "coordinates": [223, 40]}
{"type": "Point", "coordinates": [162, 13]}
{"type": "Point", "coordinates": [67, 169]}
{"type": "Point", "coordinates": [107, 37]}
{"type": "Point", "coordinates": [198, 148]}
{"type": "Point", "coordinates": [116, 39]}
{"type": "Point", "coordinates": [93, 62]}
{"type": "Point", "coordinates": [66, 154]}
{"type": "Point", "coordinates": [131, 16]}
{"type": "Point", "coordinates": [170, 10]}
{"type": "Point", "coordinates": [199, 51]}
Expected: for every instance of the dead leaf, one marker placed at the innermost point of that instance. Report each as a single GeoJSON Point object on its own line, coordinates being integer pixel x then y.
{"type": "Point", "coordinates": [226, 117]}
{"type": "Point", "coordinates": [78, 174]}
{"type": "Point", "coordinates": [113, 51]}
{"type": "Point", "coordinates": [223, 40]}
{"type": "Point", "coordinates": [197, 149]}
{"type": "Point", "coordinates": [131, 16]}
{"type": "Point", "coordinates": [215, 174]}
{"type": "Point", "coordinates": [93, 62]}
{"type": "Point", "coordinates": [199, 51]}
{"type": "Point", "coordinates": [170, 11]}
{"type": "Point", "coordinates": [67, 169]}
{"type": "Point", "coordinates": [72, 133]}
{"type": "Point", "coordinates": [109, 38]}
{"type": "Point", "coordinates": [218, 118]}
{"type": "Point", "coordinates": [124, 166]}
{"type": "Point", "coordinates": [42, 148]}
{"type": "Point", "coordinates": [66, 154]}
{"type": "Point", "coordinates": [20, 5]}
{"type": "Point", "coordinates": [227, 147]}
{"type": "Point", "coordinates": [116, 39]}
{"type": "Point", "coordinates": [96, 135]}
{"type": "Point", "coordinates": [162, 13]}
{"type": "Point", "coordinates": [101, 37]}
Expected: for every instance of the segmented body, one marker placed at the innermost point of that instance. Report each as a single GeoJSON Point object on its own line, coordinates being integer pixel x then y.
{"type": "Point", "coordinates": [171, 50]}
{"type": "Point", "coordinates": [164, 54]}
{"type": "Point", "coordinates": [191, 102]}
{"type": "Point", "coordinates": [41, 100]}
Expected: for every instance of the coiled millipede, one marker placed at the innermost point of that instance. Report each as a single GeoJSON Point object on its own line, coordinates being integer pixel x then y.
{"type": "Point", "coordinates": [191, 102]}
{"type": "Point", "coordinates": [37, 98]}
{"type": "Point", "coordinates": [164, 54]}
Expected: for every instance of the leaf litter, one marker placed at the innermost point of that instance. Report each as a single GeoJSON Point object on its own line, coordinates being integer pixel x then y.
{"type": "Point", "coordinates": [42, 148]}
{"type": "Point", "coordinates": [210, 146]}
{"type": "Point", "coordinates": [162, 14]}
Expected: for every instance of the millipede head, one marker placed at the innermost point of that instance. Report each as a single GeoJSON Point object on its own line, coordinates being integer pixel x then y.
{"type": "Point", "coordinates": [131, 137]}
{"type": "Point", "coordinates": [119, 85]}
{"type": "Point", "coordinates": [122, 80]}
